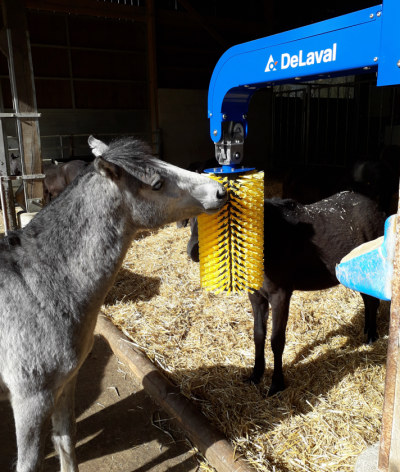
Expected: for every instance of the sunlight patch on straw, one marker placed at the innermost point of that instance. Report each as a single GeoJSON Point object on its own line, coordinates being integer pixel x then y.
{"type": "Point", "coordinates": [332, 408]}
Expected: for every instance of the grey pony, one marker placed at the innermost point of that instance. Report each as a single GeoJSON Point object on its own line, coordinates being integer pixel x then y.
{"type": "Point", "coordinates": [56, 272]}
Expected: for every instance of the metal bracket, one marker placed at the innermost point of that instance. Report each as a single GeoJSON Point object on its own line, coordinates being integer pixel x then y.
{"type": "Point", "coordinates": [33, 205]}
{"type": "Point", "coordinates": [22, 177]}
{"type": "Point", "coordinates": [20, 115]}
{"type": "Point", "coordinates": [229, 150]}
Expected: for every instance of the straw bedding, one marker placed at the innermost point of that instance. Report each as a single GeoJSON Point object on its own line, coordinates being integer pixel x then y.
{"type": "Point", "coordinates": [203, 342]}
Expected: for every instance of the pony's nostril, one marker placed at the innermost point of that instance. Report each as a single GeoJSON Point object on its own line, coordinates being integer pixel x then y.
{"type": "Point", "coordinates": [221, 194]}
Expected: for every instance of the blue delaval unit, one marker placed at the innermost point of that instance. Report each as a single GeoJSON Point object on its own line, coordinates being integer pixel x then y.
{"type": "Point", "coordinates": [360, 42]}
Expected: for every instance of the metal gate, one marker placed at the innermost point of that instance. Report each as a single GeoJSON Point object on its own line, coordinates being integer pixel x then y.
{"type": "Point", "coordinates": [333, 124]}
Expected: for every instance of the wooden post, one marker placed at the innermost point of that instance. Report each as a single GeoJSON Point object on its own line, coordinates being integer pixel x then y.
{"type": "Point", "coordinates": [389, 452]}
{"type": "Point", "coordinates": [6, 192]}
{"type": "Point", "coordinates": [24, 97]}
{"type": "Point", "coordinates": [152, 68]}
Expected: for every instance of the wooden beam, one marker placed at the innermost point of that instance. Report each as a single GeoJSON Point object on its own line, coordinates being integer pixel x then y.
{"type": "Point", "coordinates": [204, 23]}
{"type": "Point", "coordinates": [208, 439]}
{"type": "Point", "coordinates": [90, 7]}
{"type": "Point", "coordinates": [390, 431]}
{"type": "Point", "coordinates": [4, 42]}
{"type": "Point", "coordinates": [152, 65]}
{"type": "Point", "coordinates": [6, 192]}
{"type": "Point", "coordinates": [24, 96]}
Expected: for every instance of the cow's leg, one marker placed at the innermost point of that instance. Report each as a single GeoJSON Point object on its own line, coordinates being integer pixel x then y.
{"type": "Point", "coordinates": [371, 305]}
{"type": "Point", "coordinates": [32, 418]}
{"type": "Point", "coordinates": [192, 247]}
{"type": "Point", "coordinates": [260, 305]}
{"type": "Point", "coordinates": [64, 428]}
{"type": "Point", "coordinates": [280, 300]}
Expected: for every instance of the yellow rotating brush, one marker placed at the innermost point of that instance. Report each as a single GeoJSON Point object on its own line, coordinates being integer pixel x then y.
{"type": "Point", "coordinates": [231, 242]}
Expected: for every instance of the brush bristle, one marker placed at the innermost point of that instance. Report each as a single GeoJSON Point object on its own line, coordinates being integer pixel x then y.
{"type": "Point", "coordinates": [231, 242]}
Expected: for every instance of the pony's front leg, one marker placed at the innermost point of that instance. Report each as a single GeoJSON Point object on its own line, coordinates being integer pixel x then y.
{"type": "Point", "coordinates": [32, 416]}
{"type": "Point", "coordinates": [64, 428]}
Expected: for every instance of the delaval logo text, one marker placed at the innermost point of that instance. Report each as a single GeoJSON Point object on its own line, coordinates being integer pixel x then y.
{"type": "Point", "coordinates": [271, 64]}
{"type": "Point", "coordinates": [313, 57]}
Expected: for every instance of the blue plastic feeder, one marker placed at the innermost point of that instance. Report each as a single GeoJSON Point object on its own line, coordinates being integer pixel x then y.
{"type": "Point", "coordinates": [369, 267]}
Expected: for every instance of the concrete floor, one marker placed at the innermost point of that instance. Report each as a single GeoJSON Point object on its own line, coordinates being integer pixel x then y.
{"type": "Point", "coordinates": [120, 428]}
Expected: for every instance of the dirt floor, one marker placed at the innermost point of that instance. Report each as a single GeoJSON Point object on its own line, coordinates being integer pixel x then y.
{"type": "Point", "coordinates": [119, 427]}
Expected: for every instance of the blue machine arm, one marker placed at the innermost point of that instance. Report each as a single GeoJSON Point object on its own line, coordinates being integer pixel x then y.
{"type": "Point", "coordinates": [350, 44]}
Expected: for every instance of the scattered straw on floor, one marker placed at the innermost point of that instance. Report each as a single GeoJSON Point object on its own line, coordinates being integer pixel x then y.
{"type": "Point", "coordinates": [331, 409]}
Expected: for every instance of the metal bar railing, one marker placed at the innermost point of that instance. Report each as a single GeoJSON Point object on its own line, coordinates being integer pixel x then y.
{"type": "Point", "coordinates": [62, 146]}
{"type": "Point", "coordinates": [359, 122]}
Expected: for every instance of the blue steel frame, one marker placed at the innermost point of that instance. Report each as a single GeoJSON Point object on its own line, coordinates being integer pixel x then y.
{"type": "Point", "coordinates": [341, 46]}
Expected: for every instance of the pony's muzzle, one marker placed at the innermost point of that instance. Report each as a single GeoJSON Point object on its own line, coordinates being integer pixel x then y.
{"type": "Point", "coordinates": [220, 200]}
{"type": "Point", "coordinates": [222, 194]}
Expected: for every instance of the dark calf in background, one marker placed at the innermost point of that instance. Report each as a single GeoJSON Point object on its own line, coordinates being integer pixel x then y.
{"type": "Point", "coordinates": [308, 185]}
{"type": "Point", "coordinates": [391, 155]}
{"type": "Point", "coordinates": [376, 179]}
{"type": "Point", "coordinates": [302, 245]}
{"type": "Point", "coordinates": [15, 165]}
{"type": "Point", "coordinates": [59, 176]}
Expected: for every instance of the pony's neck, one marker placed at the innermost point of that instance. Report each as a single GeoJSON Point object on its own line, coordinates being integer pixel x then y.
{"type": "Point", "coordinates": [86, 237]}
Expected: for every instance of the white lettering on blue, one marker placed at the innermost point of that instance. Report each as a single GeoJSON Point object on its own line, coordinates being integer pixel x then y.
{"type": "Point", "coordinates": [303, 59]}
{"type": "Point", "coordinates": [301, 63]}
{"type": "Point", "coordinates": [285, 57]}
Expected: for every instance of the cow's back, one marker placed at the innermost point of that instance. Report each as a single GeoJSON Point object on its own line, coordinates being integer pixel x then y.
{"type": "Point", "coordinates": [304, 243]}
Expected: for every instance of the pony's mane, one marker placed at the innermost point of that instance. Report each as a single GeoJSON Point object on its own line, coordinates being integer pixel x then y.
{"type": "Point", "coordinates": [130, 153]}
{"type": "Point", "coordinates": [134, 156]}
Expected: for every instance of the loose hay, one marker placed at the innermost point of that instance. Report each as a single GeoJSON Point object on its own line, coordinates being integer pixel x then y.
{"type": "Point", "coordinates": [203, 342]}
{"type": "Point", "coordinates": [332, 408]}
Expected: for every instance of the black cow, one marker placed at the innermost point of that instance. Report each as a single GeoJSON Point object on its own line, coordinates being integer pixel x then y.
{"type": "Point", "coordinates": [302, 245]}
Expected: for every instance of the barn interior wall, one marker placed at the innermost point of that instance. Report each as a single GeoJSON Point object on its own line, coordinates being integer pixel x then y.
{"type": "Point", "coordinates": [90, 78]}
{"type": "Point", "coordinates": [257, 145]}
{"type": "Point", "coordinates": [72, 123]}
{"type": "Point", "coordinates": [91, 73]}
{"type": "Point", "coordinates": [186, 127]}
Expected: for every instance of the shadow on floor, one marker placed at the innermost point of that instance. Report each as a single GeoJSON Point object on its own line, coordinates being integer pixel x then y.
{"type": "Point", "coordinates": [114, 416]}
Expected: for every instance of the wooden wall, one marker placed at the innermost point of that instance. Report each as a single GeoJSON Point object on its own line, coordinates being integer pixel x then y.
{"type": "Point", "coordinates": [85, 63]}
{"type": "Point", "coordinates": [92, 71]}
{"type": "Point", "coordinates": [187, 53]}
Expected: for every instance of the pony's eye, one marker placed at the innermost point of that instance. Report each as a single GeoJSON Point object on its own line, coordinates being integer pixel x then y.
{"type": "Point", "coordinates": [158, 185]}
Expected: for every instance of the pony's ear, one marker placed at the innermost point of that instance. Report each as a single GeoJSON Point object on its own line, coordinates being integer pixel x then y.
{"type": "Point", "coordinates": [97, 146]}
{"type": "Point", "coordinates": [106, 169]}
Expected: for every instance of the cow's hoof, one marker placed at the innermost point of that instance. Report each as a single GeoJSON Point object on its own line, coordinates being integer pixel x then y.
{"type": "Point", "coordinates": [276, 388]}
{"type": "Point", "coordinates": [371, 338]}
{"type": "Point", "coordinates": [253, 379]}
